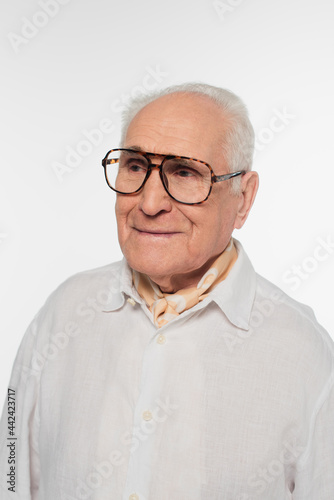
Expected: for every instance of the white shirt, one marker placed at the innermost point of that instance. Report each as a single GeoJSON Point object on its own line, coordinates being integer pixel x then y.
{"type": "Point", "coordinates": [232, 400]}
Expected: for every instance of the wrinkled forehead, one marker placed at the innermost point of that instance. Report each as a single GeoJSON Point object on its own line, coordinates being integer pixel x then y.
{"type": "Point", "coordinates": [184, 124]}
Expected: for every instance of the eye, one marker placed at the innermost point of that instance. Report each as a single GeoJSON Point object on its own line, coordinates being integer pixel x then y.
{"type": "Point", "coordinates": [182, 169]}
{"type": "Point", "coordinates": [133, 164]}
{"type": "Point", "coordinates": [185, 172]}
{"type": "Point", "coordinates": [135, 167]}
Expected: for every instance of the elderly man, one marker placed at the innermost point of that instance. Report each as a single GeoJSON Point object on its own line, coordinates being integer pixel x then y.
{"type": "Point", "coordinates": [178, 373]}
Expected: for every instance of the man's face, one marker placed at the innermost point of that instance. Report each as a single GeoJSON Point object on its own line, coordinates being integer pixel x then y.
{"type": "Point", "coordinates": [173, 243]}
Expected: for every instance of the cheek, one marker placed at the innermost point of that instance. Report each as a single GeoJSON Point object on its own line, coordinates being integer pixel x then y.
{"type": "Point", "coordinates": [214, 227]}
{"type": "Point", "coordinates": [123, 207]}
{"type": "Point", "coordinates": [122, 210]}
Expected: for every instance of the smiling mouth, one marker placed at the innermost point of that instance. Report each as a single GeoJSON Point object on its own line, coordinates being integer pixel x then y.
{"type": "Point", "coordinates": [155, 232]}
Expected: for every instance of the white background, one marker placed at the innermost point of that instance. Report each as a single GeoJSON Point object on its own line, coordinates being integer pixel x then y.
{"type": "Point", "coordinates": [64, 77]}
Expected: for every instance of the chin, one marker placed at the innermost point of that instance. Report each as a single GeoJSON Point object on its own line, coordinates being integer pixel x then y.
{"type": "Point", "coordinates": [151, 271]}
{"type": "Point", "coordinates": [141, 263]}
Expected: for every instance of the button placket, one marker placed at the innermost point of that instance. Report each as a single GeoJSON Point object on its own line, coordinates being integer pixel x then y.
{"type": "Point", "coordinates": [144, 423]}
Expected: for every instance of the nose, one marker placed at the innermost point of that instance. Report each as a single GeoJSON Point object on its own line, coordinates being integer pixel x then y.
{"type": "Point", "coordinates": [153, 197]}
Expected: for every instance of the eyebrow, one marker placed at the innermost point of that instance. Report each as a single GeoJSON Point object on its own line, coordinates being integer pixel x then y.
{"type": "Point", "coordinates": [184, 162]}
{"type": "Point", "coordinates": [136, 148]}
{"type": "Point", "coordinates": [141, 150]}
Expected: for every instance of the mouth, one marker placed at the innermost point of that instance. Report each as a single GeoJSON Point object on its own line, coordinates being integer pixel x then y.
{"type": "Point", "coordinates": [155, 232]}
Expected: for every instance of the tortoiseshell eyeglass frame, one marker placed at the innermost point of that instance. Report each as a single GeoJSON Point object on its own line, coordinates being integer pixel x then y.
{"type": "Point", "coordinates": [214, 178]}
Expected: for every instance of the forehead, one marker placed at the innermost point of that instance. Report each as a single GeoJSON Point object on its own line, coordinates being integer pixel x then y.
{"type": "Point", "coordinates": [182, 124]}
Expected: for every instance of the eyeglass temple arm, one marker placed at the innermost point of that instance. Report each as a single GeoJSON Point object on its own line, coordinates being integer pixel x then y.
{"type": "Point", "coordinates": [219, 178]}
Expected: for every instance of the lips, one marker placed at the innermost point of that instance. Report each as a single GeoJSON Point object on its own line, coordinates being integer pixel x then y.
{"type": "Point", "coordinates": [154, 231]}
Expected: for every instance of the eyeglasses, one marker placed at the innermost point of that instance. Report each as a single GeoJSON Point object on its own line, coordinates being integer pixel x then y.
{"type": "Point", "coordinates": [186, 180]}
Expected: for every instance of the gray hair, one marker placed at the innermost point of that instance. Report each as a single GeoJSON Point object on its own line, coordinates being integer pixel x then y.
{"type": "Point", "coordinates": [237, 141]}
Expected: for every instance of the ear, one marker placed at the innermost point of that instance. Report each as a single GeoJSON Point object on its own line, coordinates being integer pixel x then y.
{"type": "Point", "coordinates": [249, 187]}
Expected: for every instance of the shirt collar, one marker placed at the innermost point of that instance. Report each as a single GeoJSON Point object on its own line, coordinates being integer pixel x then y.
{"type": "Point", "coordinates": [121, 286]}
{"type": "Point", "coordinates": [235, 295]}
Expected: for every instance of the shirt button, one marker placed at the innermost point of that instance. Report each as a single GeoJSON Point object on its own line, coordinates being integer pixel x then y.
{"type": "Point", "coordinates": [131, 301]}
{"type": "Point", "coordinates": [134, 496]}
{"type": "Point", "coordinates": [147, 415]}
{"type": "Point", "coordinates": [161, 339]}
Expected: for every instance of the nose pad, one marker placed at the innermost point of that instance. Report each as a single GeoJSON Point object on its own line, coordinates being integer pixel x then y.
{"type": "Point", "coordinates": [152, 167]}
{"type": "Point", "coordinates": [154, 198]}
{"type": "Point", "coordinates": [153, 178]}
{"type": "Point", "coordinates": [164, 179]}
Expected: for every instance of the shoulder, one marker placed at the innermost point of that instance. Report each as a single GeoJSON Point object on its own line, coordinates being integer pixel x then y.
{"type": "Point", "coordinates": [293, 324]}
{"type": "Point", "coordinates": [95, 288]}
{"type": "Point", "coordinates": [287, 308]}
{"type": "Point", "coordinates": [73, 306]}
{"type": "Point", "coordinates": [96, 280]}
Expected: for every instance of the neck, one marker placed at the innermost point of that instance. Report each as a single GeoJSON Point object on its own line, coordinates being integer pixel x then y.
{"type": "Point", "coordinates": [176, 282]}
